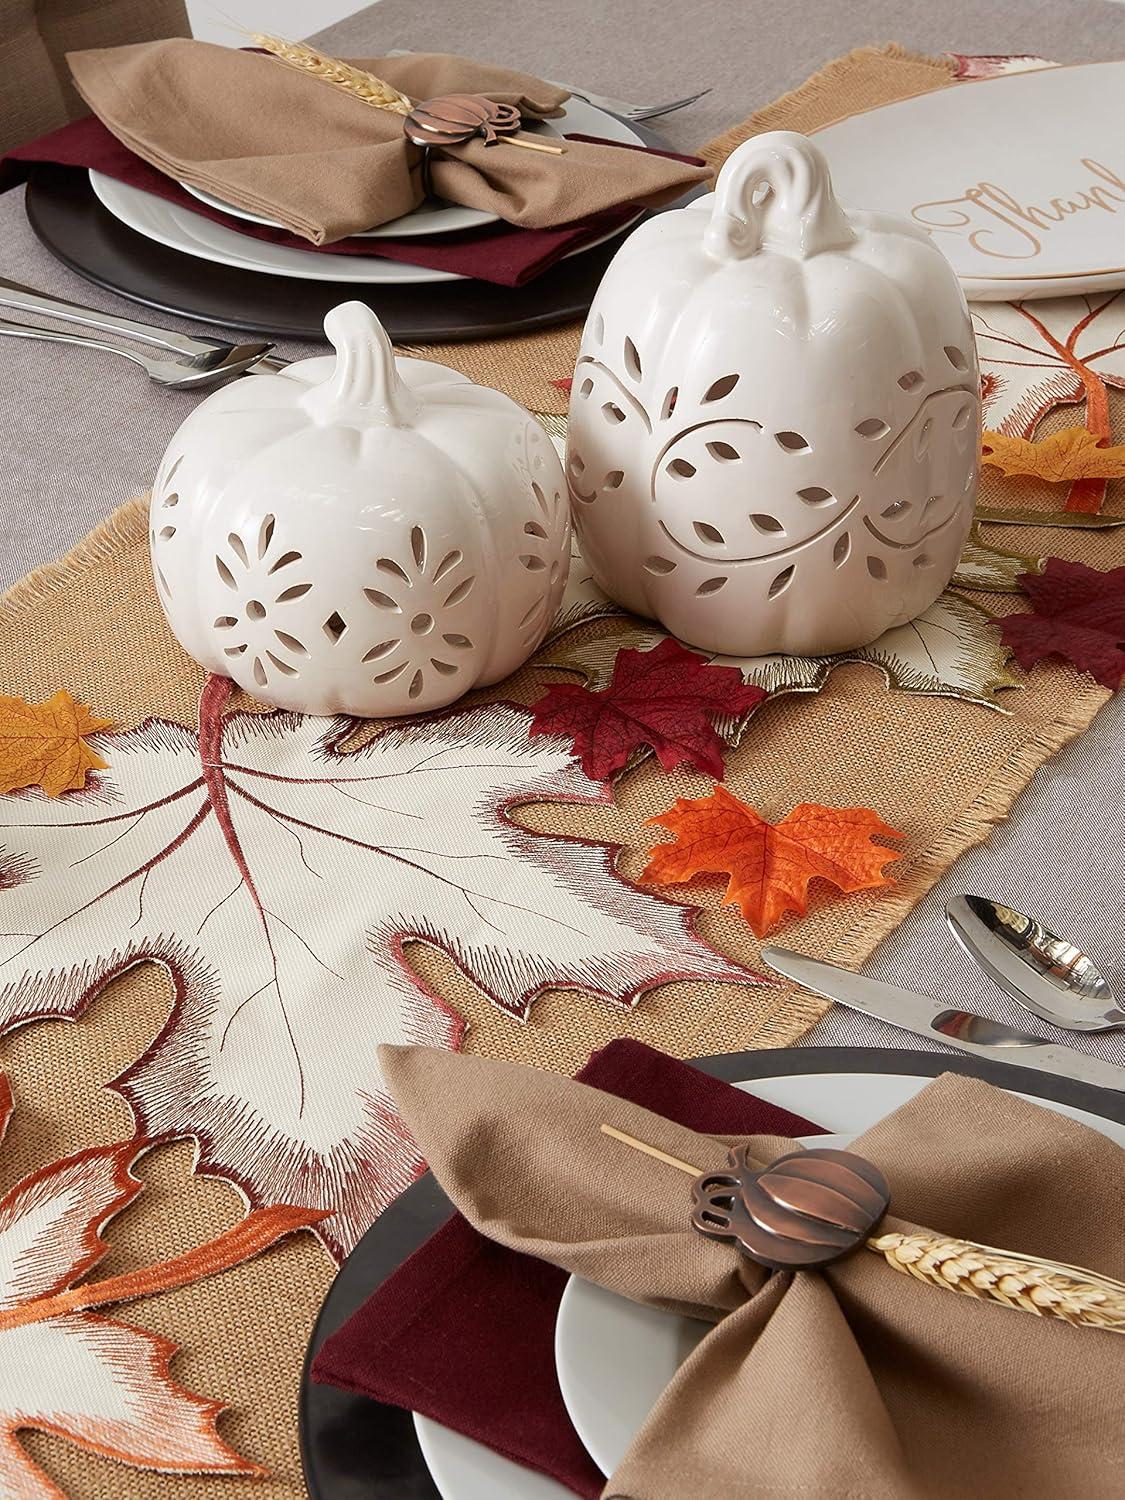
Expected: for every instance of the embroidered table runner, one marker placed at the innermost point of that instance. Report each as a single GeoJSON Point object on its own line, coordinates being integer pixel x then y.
{"type": "Point", "coordinates": [136, 996]}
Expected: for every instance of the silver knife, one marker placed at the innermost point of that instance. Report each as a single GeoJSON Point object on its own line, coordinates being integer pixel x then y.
{"type": "Point", "coordinates": [923, 1016]}
{"type": "Point", "coordinates": [29, 299]}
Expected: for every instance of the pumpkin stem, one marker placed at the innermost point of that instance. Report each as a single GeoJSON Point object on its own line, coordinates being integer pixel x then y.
{"type": "Point", "coordinates": [365, 385]}
{"type": "Point", "coordinates": [774, 192]}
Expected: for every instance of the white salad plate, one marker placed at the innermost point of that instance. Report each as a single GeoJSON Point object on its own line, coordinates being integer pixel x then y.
{"type": "Point", "coordinates": [614, 1357]}
{"type": "Point", "coordinates": [192, 234]}
{"type": "Point", "coordinates": [1020, 178]}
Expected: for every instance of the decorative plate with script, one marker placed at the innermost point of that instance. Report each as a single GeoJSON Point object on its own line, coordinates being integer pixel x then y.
{"type": "Point", "coordinates": [1019, 178]}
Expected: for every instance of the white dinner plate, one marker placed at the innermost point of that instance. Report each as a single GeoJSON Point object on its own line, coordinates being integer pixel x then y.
{"type": "Point", "coordinates": [433, 216]}
{"type": "Point", "coordinates": [614, 1357]}
{"type": "Point", "coordinates": [1019, 178]}
{"type": "Point", "coordinates": [192, 234]}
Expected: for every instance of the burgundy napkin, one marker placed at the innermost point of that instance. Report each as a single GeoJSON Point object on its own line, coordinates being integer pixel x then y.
{"type": "Point", "coordinates": [499, 253]}
{"type": "Point", "coordinates": [463, 1332]}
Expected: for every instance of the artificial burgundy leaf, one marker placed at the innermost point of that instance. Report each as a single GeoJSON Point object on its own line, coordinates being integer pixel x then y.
{"type": "Point", "coordinates": [1078, 613]}
{"type": "Point", "coordinates": [666, 698]}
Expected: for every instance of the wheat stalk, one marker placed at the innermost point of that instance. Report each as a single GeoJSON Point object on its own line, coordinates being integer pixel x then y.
{"type": "Point", "coordinates": [1046, 1288]}
{"type": "Point", "coordinates": [341, 75]}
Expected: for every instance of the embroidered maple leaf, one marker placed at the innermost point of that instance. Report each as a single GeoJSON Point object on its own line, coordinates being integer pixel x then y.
{"type": "Point", "coordinates": [100, 1383]}
{"type": "Point", "coordinates": [279, 880]}
{"type": "Point", "coordinates": [1036, 356]}
{"type": "Point", "coordinates": [666, 698]}
{"type": "Point", "coordinates": [1074, 453]}
{"type": "Point", "coordinates": [950, 650]}
{"type": "Point", "coordinates": [1078, 613]}
{"type": "Point", "coordinates": [770, 865]}
{"type": "Point", "coordinates": [44, 745]}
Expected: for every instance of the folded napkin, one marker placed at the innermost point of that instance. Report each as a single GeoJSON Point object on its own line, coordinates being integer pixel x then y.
{"type": "Point", "coordinates": [498, 253]}
{"type": "Point", "coordinates": [277, 142]}
{"type": "Point", "coordinates": [464, 1331]}
{"type": "Point", "coordinates": [852, 1381]}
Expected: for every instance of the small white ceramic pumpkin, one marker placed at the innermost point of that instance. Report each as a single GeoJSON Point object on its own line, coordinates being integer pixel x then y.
{"type": "Point", "coordinates": [775, 419]}
{"type": "Point", "coordinates": [360, 535]}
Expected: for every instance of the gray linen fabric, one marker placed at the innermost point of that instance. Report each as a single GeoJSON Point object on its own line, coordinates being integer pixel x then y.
{"type": "Point", "coordinates": [81, 432]}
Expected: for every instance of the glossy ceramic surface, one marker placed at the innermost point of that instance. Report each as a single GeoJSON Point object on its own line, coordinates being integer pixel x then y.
{"type": "Point", "coordinates": [1016, 177]}
{"type": "Point", "coordinates": [360, 535]}
{"type": "Point", "coordinates": [775, 417]}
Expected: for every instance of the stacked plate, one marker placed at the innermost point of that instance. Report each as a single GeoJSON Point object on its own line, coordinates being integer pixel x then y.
{"type": "Point", "coordinates": [192, 234]}
{"type": "Point", "coordinates": [613, 1358]}
{"type": "Point", "coordinates": [1020, 178]}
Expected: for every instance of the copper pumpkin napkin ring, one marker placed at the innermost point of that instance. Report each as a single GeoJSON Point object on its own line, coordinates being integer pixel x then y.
{"type": "Point", "coordinates": [453, 119]}
{"type": "Point", "coordinates": [804, 1210]}
{"type": "Point", "coordinates": [810, 1208]}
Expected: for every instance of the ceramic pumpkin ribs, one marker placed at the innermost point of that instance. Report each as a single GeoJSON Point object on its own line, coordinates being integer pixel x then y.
{"type": "Point", "coordinates": [360, 535]}
{"type": "Point", "coordinates": [775, 419]}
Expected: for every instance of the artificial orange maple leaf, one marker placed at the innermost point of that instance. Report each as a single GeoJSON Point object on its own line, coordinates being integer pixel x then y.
{"type": "Point", "coordinates": [1061, 458]}
{"type": "Point", "coordinates": [770, 865]}
{"type": "Point", "coordinates": [43, 744]}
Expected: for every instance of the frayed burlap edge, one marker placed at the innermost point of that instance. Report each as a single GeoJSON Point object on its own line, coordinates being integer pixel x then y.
{"type": "Point", "coordinates": [796, 1011]}
{"type": "Point", "coordinates": [819, 92]}
{"type": "Point", "coordinates": [121, 528]}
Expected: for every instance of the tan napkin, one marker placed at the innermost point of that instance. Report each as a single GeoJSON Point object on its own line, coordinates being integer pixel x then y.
{"type": "Point", "coordinates": [267, 138]}
{"type": "Point", "coordinates": [856, 1382]}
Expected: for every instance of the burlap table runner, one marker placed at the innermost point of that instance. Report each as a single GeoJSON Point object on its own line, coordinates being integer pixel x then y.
{"type": "Point", "coordinates": [942, 770]}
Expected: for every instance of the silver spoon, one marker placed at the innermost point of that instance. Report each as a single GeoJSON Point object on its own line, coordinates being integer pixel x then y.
{"type": "Point", "coordinates": [175, 374]}
{"type": "Point", "coordinates": [1043, 973]}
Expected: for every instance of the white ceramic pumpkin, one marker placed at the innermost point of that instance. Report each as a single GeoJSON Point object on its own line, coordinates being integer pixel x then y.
{"type": "Point", "coordinates": [775, 419]}
{"type": "Point", "coordinates": [360, 535]}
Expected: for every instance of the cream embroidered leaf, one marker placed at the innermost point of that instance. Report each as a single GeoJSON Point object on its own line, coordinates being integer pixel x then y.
{"type": "Point", "coordinates": [1038, 355]}
{"type": "Point", "coordinates": [280, 880]}
{"type": "Point", "coordinates": [950, 651]}
{"type": "Point", "coordinates": [84, 1376]}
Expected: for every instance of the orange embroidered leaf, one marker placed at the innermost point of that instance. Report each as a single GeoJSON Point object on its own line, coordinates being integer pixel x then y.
{"type": "Point", "coordinates": [1071, 454]}
{"type": "Point", "coordinates": [101, 1383]}
{"type": "Point", "coordinates": [770, 865]}
{"type": "Point", "coordinates": [43, 744]}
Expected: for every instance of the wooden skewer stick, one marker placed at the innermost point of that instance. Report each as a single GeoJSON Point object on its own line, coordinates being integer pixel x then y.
{"type": "Point", "coordinates": [1050, 1289]}
{"type": "Point", "coordinates": [670, 1161]}
{"type": "Point", "coordinates": [511, 140]}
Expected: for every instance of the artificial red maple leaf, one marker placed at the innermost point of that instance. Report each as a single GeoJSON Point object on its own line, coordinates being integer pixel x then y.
{"type": "Point", "coordinates": [770, 865]}
{"type": "Point", "coordinates": [666, 698]}
{"type": "Point", "coordinates": [1078, 613]}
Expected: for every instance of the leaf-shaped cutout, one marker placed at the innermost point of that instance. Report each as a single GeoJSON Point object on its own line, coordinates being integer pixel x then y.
{"type": "Point", "coordinates": [381, 600]}
{"type": "Point", "coordinates": [720, 388]}
{"type": "Point", "coordinates": [458, 594]}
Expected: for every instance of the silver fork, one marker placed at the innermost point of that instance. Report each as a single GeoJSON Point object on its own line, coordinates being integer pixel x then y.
{"type": "Point", "coordinates": [635, 112]}
{"type": "Point", "coordinates": [621, 107]}
{"type": "Point", "coordinates": [194, 353]}
{"type": "Point", "coordinates": [174, 374]}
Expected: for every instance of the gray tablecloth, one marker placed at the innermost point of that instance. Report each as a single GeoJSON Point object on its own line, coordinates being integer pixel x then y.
{"type": "Point", "coordinates": [82, 433]}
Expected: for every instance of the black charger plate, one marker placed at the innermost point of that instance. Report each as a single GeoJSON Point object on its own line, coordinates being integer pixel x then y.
{"type": "Point", "coordinates": [65, 213]}
{"type": "Point", "coordinates": [355, 1449]}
